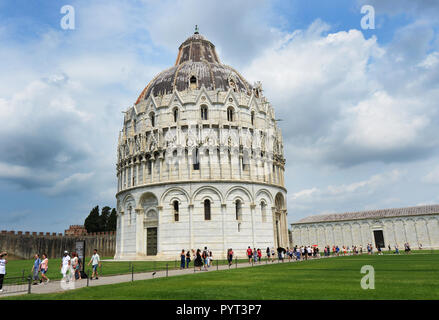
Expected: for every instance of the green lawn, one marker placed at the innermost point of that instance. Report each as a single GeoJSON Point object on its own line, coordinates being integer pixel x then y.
{"type": "Point", "coordinates": [413, 276]}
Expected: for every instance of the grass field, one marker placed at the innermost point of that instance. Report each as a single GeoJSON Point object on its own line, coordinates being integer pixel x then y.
{"type": "Point", "coordinates": [413, 276]}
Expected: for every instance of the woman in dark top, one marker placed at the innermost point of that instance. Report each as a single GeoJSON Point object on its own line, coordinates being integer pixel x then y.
{"type": "Point", "coordinates": [182, 259]}
{"type": "Point", "coordinates": [198, 261]}
{"type": "Point", "coordinates": [188, 258]}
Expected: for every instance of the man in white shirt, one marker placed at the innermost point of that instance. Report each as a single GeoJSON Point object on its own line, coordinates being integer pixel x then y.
{"type": "Point", "coordinates": [95, 262]}
{"type": "Point", "coordinates": [65, 265]}
{"type": "Point", "coordinates": [3, 263]}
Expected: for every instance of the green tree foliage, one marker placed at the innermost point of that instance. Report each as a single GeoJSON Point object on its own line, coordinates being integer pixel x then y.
{"type": "Point", "coordinates": [112, 221]}
{"type": "Point", "coordinates": [105, 215]}
{"type": "Point", "coordinates": [106, 221]}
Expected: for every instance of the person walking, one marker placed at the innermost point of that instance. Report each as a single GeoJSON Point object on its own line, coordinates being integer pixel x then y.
{"type": "Point", "coordinates": [36, 269]}
{"type": "Point", "coordinates": [75, 265]}
{"type": "Point", "coordinates": [44, 266]}
{"type": "Point", "coordinates": [255, 255]}
{"type": "Point", "coordinates": [205, 257]}
{"type": "Point", "coordinates": [198, 262]}
{"type": "Point", "coordinates": [182, 259]}
{"type": "Point", "coordinates": [249, 255]}
{"type": "Point", "coordinates": [65, 266]}
{"type": "Point", "coordinates": [230, 256]}
{"type": "Point", "coordinates": [210, 258]}
{"type": "Point", "coordinates": [259, 255]}
{"type": "Point", "coordinates": [188, 259]}
{"type": "Point", "coordinates": [96, 262]}
{"type": "Point", "coordinates": [3, 263]}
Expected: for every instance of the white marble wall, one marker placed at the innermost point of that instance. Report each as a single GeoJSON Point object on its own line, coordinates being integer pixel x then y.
{"type": "Point", "coordinates": [192, 231]}
{"type": "Point", "coordinates": [422, 229]}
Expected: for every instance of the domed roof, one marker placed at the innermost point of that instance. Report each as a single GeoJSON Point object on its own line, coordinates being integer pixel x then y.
{"type": "Point", "coordinates": [197, 65]}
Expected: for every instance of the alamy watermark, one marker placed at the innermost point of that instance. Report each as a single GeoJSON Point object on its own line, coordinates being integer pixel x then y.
{"type": "Point", "coordinates": [68, 20]}
{"type": "Point", "coordinates": [368, 20]}
{"type": "Point", "coordinates": [368, 281]}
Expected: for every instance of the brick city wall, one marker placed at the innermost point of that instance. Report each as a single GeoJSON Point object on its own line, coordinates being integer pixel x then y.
{"type": "Point", "coordinates": [26, 244]}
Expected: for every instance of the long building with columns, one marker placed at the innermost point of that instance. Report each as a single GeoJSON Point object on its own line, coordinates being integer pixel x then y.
{"type": "Point", "coordinates": [414, 225]}
{"type": "Point", "coordinates": [200, 163]}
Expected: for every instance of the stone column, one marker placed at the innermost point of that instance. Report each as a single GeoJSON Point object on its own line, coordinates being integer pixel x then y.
{"type": "Point", "coordinates": [191, 230]}
{"type": "Point", "coordinates": [252, 212]}
{"type": "Point", "coordinates": [273, 214]}
{"type": "Point", "coordinates": [161, 166]}
{"type": "Point", "coordinates": [159, 235]}
{"type": "Point", "coordinates": [189, 156]}
{"type": "Point", "coordinates": [152, 159]}
{"type": "Point", "coordinates": [144, 171]}
{"type": "Point", "coordinates": [122, 233]}
{"type": "Point", "coordinates": [140, 244]}
{"type": "Point", "coordinates": [223, 218]}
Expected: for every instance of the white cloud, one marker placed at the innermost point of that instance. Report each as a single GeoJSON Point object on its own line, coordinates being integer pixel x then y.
{"type": "Point", "coordinates": [71, 183]}
{"type": "Point", "coordinates": [308, 200]}
{"type": "Point", "coordinates": [347, 99]}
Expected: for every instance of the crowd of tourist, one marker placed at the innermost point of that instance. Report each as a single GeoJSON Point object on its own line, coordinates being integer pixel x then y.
{"type": "Point", "coordinates": [203, 258]}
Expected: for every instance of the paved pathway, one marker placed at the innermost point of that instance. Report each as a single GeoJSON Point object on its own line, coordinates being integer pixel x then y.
{"type": "Point", "coordinates": [59, 286]}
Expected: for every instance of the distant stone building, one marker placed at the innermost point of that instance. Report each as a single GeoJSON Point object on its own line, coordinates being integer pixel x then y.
{"type": "Point", "coordinates": [76, 230]}
{"type": "Point", "coordinates": [415, 225]}
{"type": "Point", "coordinates": [200, 163]}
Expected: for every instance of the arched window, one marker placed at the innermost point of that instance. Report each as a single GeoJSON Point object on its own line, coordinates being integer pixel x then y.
{"type": "Point", "coordinates": [149, 166]}
{"type": "Point", "coordinates": [193, 82]}
{"type": "Point", "coordinates": [176, 212]}
{"type": "Point", "coordinates": [175, 112]}
{"type": "Point", "coordinates": [263, 211]}
{"type": "Point", "coordinates": [253, 118]}
{"type": "Point", "coordinates": [196, 159]}
{"type": "Point", "coordinates": [152, 118]}
{"type": "Point", "coordinates": [238, 209]}
{"type": "Point", "coordinates": [207, 209]}
{"type": "Point", "coordinates": [239, 227]}
{"type": "Point", "coordinates": [230, 114]}
{"type": "Point", "coordinates": [204, 112]}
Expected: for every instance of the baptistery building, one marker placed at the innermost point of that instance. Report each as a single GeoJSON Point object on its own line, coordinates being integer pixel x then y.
{"type": "Point", "coordinates": [200, 163]}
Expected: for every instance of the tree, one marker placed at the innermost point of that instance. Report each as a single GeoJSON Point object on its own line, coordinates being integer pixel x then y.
{"type": "Point", "coordinates": [92, 223]}
{"type": "Point", "coordinates": [112, 221]}
{"type": "Point", "coordinates": [106, 221]}
{"type": "Point", "coordinates": [103, 221]}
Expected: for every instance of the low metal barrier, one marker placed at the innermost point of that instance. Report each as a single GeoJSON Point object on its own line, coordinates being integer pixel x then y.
{"type": "Point", "coordinates": [16, 285]}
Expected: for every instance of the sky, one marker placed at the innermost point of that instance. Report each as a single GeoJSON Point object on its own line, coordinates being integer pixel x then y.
{"type": "Point", "coordinates": [359, 106]}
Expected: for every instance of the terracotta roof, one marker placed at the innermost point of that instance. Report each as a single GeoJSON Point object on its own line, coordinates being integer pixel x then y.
{"type": "Point", "coordinates": [372, 214]}
{"type": "Point", "coordinates": [196, 57]}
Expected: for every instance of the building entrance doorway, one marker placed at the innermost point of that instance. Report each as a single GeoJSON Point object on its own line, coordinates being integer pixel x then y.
{"type": "Point", "coordinates": [151, 241]}
{"type": "Point", "coordinates": [379, 238]}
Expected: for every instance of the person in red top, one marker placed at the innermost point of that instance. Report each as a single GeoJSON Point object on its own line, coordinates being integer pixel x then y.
{"type": "Point", "coordinates": [259, 255]}
{"type": "Point", "coordinates": [249, 255]}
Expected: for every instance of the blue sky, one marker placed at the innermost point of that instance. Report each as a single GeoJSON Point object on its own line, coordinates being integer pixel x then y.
{"type": "Point", "coordinates": [359, 106]}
